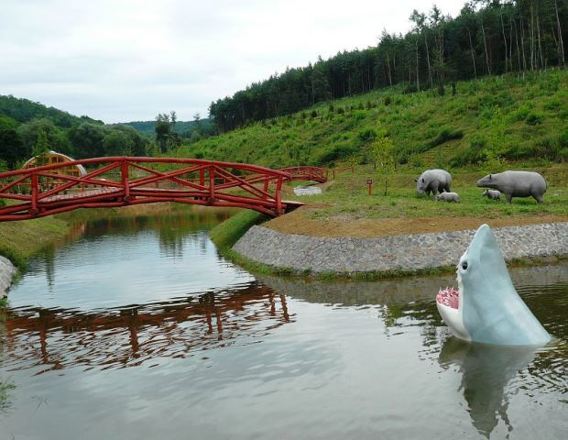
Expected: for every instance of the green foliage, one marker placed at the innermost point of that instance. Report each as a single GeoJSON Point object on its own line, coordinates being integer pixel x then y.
{"type": "Point", "coordinates": [384, 158]}
{"type": "Point", "coordinates": [226, 234]}
{"type": "Point", "coordinates": [426, 130]}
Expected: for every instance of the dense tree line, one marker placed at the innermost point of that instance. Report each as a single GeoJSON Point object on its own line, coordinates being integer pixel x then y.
{"type": "Point", "coordinates": [27, 127]}
{"type": "Point", "coordinates": [488, 37]}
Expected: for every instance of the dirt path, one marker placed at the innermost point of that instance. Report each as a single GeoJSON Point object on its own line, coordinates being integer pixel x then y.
{"type": "Point", "coordinates": [298, 222]}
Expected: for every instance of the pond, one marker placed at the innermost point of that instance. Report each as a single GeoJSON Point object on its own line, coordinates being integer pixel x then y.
{"type": "Point", "coordinates": [137, 328]}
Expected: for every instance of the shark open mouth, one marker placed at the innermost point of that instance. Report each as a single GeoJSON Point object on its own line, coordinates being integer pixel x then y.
{"type": "Point", "coordinates": [450, 297]}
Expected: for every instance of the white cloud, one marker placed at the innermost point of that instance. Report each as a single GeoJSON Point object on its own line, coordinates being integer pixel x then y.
{"type": "Point", "coordinates": [121, 60]}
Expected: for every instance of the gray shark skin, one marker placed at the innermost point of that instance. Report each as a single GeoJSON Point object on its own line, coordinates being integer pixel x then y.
{"type": "Point", "coordinates": [490, 310]}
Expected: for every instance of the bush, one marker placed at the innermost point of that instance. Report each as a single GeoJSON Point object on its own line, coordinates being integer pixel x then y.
{"type": "Point", "coordinates": [335, 152]}
{"type": "Point", "coordinates": [445, 135]}
{"type": "Point", "coordinates": [534, 119]}
{"type": "Point", "coordinates": [367, 135]}
{"type": "Point", "coordinates": [475, 154]}
{"type": "Point", "coordinates": [388, 100]}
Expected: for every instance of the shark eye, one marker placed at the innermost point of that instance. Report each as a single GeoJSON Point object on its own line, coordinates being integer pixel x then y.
{"type": "Point", "coordinates": [464, 265]}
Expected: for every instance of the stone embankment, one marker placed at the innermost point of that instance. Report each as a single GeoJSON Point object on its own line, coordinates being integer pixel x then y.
{"type": "Point", "coordinates": [7, 271]}
{"type": "Point", "coordinates": [406, 253]}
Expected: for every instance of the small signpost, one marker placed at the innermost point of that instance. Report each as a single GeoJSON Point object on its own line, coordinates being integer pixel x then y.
{"type": "Point", "coordinates": [370, 185]}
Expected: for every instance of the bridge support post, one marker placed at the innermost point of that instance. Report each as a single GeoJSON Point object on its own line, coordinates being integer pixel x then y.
{"type": "Point", "coordinates": [124, 178]}
{"type": "Point", "coordinates": [279, 210]}
{"type": "Point", "coordinates": [211, 185]}
{"type": "Point", "coordinates": [35, 193]}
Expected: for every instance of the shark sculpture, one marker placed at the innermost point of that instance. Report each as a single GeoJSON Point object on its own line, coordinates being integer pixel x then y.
{"type": "Point", "coordinates": [486, 308]}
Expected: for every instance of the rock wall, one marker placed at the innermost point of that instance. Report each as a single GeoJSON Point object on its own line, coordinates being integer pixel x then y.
{"type": "Point", "coordinates": [394, 253]}
{"type": "Point", "coordinates": [7, 271]}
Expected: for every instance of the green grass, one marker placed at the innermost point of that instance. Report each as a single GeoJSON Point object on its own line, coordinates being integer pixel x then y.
{"type": "Point", "coordinates": [21, 240]}
{"type": "Point", "coordinates": [508, 117]}
{"type": "Point", "coordinates": [348, 196]}
{"type": "Point", "coordinates": [226, 234]}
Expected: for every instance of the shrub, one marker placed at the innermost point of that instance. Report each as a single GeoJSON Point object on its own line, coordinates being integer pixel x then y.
{"type": "Point", "coordinates": [367, 135]}
{"type": "Point", "coordinates": [475, 154]}
{"type": "Point", "coordinates": [335, 152]}
{"type": "Point", "coordinates": [534, 119]}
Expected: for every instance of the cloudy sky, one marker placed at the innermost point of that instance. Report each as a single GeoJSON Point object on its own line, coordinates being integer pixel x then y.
{"type": "Point", "coordinates": [124, 60]}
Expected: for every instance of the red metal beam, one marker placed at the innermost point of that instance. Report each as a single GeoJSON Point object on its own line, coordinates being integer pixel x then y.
{"type": "Point", "coordinates": [116, 181]}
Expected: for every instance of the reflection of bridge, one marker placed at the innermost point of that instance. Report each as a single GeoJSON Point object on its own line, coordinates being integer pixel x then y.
{"type": "Point", "coordinates": [129, 336]}
{"type": "Point", "coordinates": [120, 181]}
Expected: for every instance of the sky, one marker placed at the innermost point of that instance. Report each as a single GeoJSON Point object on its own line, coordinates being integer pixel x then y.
{"type": "Point", "coordinates": [128, 60]}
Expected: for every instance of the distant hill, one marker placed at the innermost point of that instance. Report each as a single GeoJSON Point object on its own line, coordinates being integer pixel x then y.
{"type": "Point", "coordinates": [183, 128]}
{"type": "Point", "coordinates": [23, 110]}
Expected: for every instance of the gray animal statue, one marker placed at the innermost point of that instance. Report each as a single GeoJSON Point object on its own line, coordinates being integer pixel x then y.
{"type": "Point", "coordinates": [492, 194]}
{"type": "Point", "coordinates": [448, 197]}
{"type": "Point", "coordinates": [516, 184]}
{"type": "Point", "coordinates": [433, 182]}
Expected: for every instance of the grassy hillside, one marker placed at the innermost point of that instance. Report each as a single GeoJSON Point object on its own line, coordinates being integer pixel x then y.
{"type": "Point", "coordinates": [508, 117]}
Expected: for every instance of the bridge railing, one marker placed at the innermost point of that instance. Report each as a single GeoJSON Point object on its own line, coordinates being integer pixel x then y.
{"type": "Point", "coordinates": [119, 181]}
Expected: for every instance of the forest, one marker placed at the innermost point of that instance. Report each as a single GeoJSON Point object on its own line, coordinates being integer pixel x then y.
{"type": "Point", "coordinates": [29, 128]}
{"type": "Point", "coordinates": [488, 37]}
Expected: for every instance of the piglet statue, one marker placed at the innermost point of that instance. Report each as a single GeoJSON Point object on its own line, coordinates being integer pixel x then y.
{"type": "Point", "coordinates": [486, 307]}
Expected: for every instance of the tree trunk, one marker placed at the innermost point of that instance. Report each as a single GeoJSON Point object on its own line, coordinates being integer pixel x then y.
{"type": "Point", "coordinates": [519, 65]}
{"type": "Point", "coordinates": [561, 57]}
{"type": "Point", "coordinates": [485, 48]}
{"type": "Point", "coordinates": [417, 66]}
{"type": "Point", "coordinates": [532, 45]}
{"type": "Point", "coordinates": [428, 61]}
{"type": "Point", "coordinates": [504, 39]}
{"type": "Point", "coordinates": [541, 55]}
{"type": "Point", "coordinates": [472, 54]}
{"type": "Point", "coordinates": [523, 47]}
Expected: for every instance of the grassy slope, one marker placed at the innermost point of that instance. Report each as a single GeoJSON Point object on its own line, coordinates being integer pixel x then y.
{"type": "Point", "coordinates": [520, 119]}
{"type": "Point", "coordinates": [20, 240]}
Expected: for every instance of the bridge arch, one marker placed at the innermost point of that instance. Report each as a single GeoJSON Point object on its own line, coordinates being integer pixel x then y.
{"type": "Point", "coordinates": [120, 181]}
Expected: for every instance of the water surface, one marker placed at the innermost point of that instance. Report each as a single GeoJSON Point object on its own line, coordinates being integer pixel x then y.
{"type": "Point", "coordinates": [137, 328]}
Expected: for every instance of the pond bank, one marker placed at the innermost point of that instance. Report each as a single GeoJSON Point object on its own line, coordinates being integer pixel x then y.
{"type": "Point", "coordinates": [413, 253]}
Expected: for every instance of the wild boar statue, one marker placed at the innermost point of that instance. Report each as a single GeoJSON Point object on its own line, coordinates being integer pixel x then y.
{"type": "Point", "coordinates": [433, 182]}
{"type": "Point", "coordinates": [516, 184]}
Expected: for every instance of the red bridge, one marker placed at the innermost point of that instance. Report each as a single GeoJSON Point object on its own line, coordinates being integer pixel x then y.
{"type": "Point", "coordinates": [119, 181]}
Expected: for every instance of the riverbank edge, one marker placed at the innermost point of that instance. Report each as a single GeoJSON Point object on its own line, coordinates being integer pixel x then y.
{"type": "Point", "coordinates": [271, 252]}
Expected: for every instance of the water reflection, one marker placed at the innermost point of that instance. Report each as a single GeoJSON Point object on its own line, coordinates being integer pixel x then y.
{"type": "Point", "coordinates": [486, 371]}
{"type": "Point", "coordinates": [490, 375]}
{"type": "Point", "coordinates": [53, 339]}
{"type": "Point", "coordinates": [189, 342]}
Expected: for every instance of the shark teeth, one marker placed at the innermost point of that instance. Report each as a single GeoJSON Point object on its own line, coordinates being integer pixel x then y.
{"type": "Point", "coordinates": [450, 297]}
